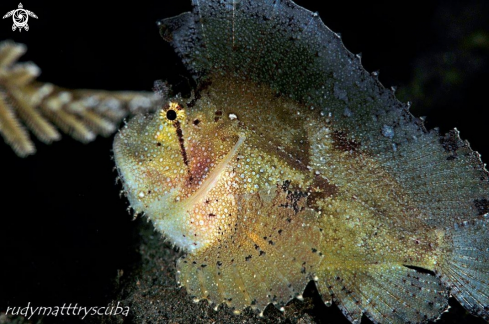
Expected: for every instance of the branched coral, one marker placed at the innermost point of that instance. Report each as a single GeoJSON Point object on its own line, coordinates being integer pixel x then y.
{"type": "Point", "coordinates": [44, 108]}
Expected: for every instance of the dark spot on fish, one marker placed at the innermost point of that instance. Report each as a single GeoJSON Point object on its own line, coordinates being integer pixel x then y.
{"type": "Point", "coordinates": [482, 206]}
{"type": "Point", "coordinates": [285, 185]}
{"type": "Point", "coordinates": [420, 270]}
{"type": "Point", "coordinates": [343, 143]}
{"type": "Point", "coordinates": [218, 115]}
{"type": "Point", "coordinates": [321, 188]}
{"type": "Point", "coordinates": [294, 198]}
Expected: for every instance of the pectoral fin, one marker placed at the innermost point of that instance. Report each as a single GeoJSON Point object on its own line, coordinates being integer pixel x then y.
{"type": "Point", "coordinates": [269, 259]}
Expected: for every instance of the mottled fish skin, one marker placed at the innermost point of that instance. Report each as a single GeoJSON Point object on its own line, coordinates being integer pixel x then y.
{"type": "Point", "coordinates": [291, 163]}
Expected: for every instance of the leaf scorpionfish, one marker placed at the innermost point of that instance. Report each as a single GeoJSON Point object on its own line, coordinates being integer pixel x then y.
{"type": "Point", "coordinates": [292, 163]}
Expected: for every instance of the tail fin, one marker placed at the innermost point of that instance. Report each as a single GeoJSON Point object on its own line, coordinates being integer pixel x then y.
{"type": "Point", "coordinates": [465, 265]}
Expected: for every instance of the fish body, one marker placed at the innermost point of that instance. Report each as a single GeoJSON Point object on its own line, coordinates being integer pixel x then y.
{"type": "Point", "coordinates": [291, 163]}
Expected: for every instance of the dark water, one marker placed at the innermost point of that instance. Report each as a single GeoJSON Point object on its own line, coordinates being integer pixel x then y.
{"type": "Point", "coordinates": [64, 231]}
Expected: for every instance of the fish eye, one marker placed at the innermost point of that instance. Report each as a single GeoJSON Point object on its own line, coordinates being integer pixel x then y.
{"type": "Point", "coordinates": [171, 114]}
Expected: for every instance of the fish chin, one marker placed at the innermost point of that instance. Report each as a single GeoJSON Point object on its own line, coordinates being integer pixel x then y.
{"type": "Point", "coordinates": [173, 220]}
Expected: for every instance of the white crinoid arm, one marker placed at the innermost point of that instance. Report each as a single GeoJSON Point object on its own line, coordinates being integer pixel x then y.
{"type": "Point", "coordinates": [44, 108]}
{"type": "Point", "coordinates": [8, 14]}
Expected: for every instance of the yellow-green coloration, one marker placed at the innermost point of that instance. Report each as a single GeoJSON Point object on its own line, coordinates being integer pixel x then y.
{"type": "Point", "coordinates": [291, 164]}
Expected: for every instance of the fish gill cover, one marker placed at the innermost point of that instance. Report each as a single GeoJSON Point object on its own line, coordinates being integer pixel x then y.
{"type": "Point", "coordinates": [292, 163]}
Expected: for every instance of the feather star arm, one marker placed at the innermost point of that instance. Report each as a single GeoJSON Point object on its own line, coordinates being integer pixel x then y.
{"type": "Point", "coordinates": [43, 108]}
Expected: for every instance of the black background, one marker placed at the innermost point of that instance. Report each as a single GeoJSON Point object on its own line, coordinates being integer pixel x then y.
{"type": "Point", "coordinates": [64, 231]}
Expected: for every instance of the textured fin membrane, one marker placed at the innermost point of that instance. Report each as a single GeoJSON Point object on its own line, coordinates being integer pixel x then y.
{"type": "Point", "coordinates": [443, 176]}
{"type": "Point", "coordinates": [465, 265]}
{"type": "Point", "coordinates": [257, 265]}
{"type": "Point", "coordinates": [386, 293]}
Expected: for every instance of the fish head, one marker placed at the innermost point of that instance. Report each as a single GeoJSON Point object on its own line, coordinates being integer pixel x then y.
{"type": "Point", "coordinates": [176, 167]}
